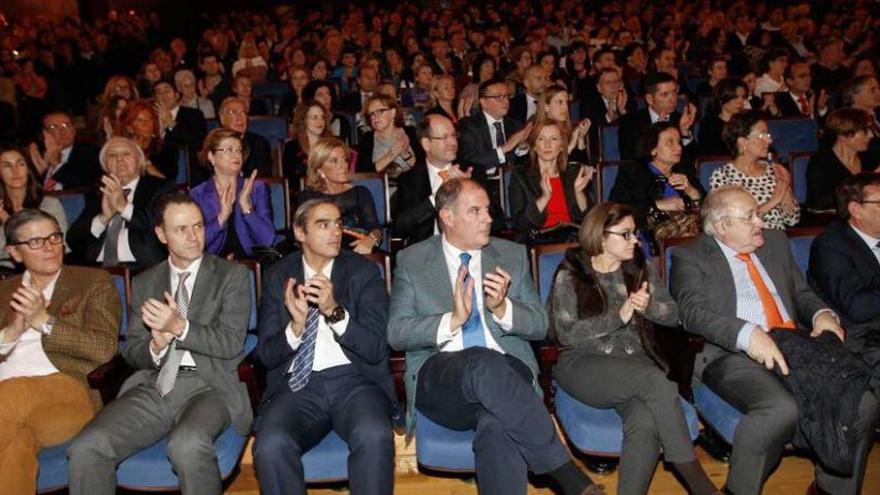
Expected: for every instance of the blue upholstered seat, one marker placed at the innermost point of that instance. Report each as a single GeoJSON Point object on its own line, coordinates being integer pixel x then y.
{"type": "Point", "coordinates": [705, 167]}
{"type": "Point", "coordinates": [716, 412]}
{"type": "Point", "coordinates": [609, 145]}
{"type": "Point", "coordinates": [607, 176]}
{"type": "Point", "coordinates": [598, 431]}
{"type": "Point", "coordinates": [327, 461]}
{"type": "Point", "coordinates": [790, 135]}
{"type": "Point", "coordinates": [440, 448]}
{"type": "Point", "coordinates": [53, 468]}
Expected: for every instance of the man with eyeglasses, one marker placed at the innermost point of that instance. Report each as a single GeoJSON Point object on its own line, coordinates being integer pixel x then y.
{"type": "Point", "coordinates": [606, 105]}
{"type": "Point", "coordinates": [737, 285]}
{"type": "Point", "coordinates": [234, 115]}
{"type": "Point", "coordinates": [60, 160]}
{"type": "Point", "coordinates": [661, 95]}
{"type": "Point", "coordinates": [59, 324]}
{"type": "Point", "coordinates": [845, 266]}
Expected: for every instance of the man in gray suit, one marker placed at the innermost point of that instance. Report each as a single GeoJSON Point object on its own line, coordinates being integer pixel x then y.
{"type": "Point", "coordinates": [186, 339]}
{"type": "Point", "coordinates": [733, 284]}
{"type": "Point", "coordinates": [469, 361]}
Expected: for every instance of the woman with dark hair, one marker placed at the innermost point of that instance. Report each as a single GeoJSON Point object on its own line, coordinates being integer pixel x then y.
{"type": "Point", "coordinates": [729, 97]}
{"type": "Point", "coordinates": [324, 93]}
{"type": "Point", "coordinates": [389, 147]}
{"type": "Point", "coordinates": [550, 193]}
{"type": "Point", "coordinates": [483, 69]}
{"type": "Point", "coordinates": [20, 189]}
{"type": "Point", "coordinates": [748, 140]}
{"type": "Point", "coordinates": [848, 132]}
{"type": "Point", "coordinates": [238, 214]}
{"type": "Point", "coordinates": [140, 123]}
{"type": "Point", "coordinates": [660, 186]}
{"type": "Point", "coordinates": [309, 124]}
{"type": "Point", "coordinates": [603, 304]}
{"type": "Point", "coordinates": [772, 79]}
{"type": "Point", "coordinates": [297, 79]}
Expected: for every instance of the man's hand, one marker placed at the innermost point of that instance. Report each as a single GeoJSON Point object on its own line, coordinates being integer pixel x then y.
{"type": "Point", "coordinates": [516, 138]}
{"type": "Point", "coordinates": [763, 350]}
{"type": "Point", "coordinates": [462, 300]}
{"type": "Point", "coordinates": [455, 172]}
{"type": "Point", "coordinates": [495, 285]}
{"type": "Point", "coordinates": [111, 188]}
{"type": "Point", "coordinates": [12, 332]}
{"type": "Point", "coordinates": [163, 317]}
{"type": "Point", "coordinates": [826, 322]}
{"type": "Point", "coordinates": [297, 306]}
{"type": "Point", "coordinates": [688, 117]}
{"type": "Point", "coordinates": [319, 291]}
{"type": "Point", "coordinates": [159, 340]}
{"type": "Point", "coordinates": [29, 302]}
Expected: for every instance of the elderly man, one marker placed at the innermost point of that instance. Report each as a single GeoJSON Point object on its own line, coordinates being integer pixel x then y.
{"type": "Point", "coordinates": [59, 323]}
{"type": "Point", "coordinates": [64, 162]}
{"type": "Point", "coordinates": [733, 285]}
{"type": "Point", "coordinates": [115, 226]}
{"type": "Point", "coordinates": [185, 82]}
{"type": "Point", "coordinates": [464, 309]}
{"type": "Point", "coordinates": [234, 115]}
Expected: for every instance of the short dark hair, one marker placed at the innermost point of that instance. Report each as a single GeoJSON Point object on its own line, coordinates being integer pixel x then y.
{"type": "Point", "coordinates": [308, 92]}
{"type": "Point", "coordinates": [844, 122]}
{"type": "Point", "coordinates": [740, 126]}
{"type": "Point", "coordinates": [851, 88]}
{"type": "Point", "coordinates": [602, 51]}
{"type": "Point", "coordinates": [449, 191]}
{"type": "Point", "coordinates": [650, 138]}
{"type": "Point", "coordinates": [725, 91]}
{"type": "Point", "coordinates": [301, 216]}
{"type": "Point", "coordinates": [853, 189]}
{"type": "Point", "coordinates": [23, 217]}
{"type": "Point", "coordinates": [176, 197]}
{"type": "Point", "coordinates": [655, 79]}
{"type": "Point", "coordinates": [163, 81]}
{"type": "Point", "coordinates": [484, 86]}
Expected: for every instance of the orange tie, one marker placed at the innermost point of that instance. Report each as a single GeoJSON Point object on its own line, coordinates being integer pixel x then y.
{"type": "Point", "coordinates": [774, 318]}
{"type": "Point", "coordinates": [444, 175]}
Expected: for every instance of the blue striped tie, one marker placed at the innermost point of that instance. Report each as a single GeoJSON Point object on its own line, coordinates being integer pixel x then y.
{"type": "Point", "coordinates": [305, 355]}
{"type": "Point", "coordinates": [472, 330]}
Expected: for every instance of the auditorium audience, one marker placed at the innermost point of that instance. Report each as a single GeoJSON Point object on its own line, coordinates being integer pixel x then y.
{"type": "Point", "coordinates": [139, 122]}
{"type": "Point", "coordinates": [729, 97]}
{"type": "Point", "coordinates": [310, 123]}
{"type": "Point", "coordinates": [389, 146]}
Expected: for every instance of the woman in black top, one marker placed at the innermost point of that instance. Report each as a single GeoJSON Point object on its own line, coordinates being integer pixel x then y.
{"type": "Point", "coordinates": [728, 99]}
{"type": "Point", "coordinates": [310, 122]}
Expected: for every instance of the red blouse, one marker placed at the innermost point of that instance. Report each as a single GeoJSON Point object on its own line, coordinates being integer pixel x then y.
{"type": "Point", "coordinates": [557, 209]}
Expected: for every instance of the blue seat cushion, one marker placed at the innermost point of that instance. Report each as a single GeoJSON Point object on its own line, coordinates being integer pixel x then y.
{"type": "Point", "coordinates": [327, 461]}
{"type": "Point", "coordinates": [151, 469]}
{"type": "Point", "coordinates": [716, 412]}
{"type": "Point", "coordinates": [53, 468]}
{"type": "Point", "coordinates": [600, 431]}
{"type": "Point", "coordinates": [438, 447]}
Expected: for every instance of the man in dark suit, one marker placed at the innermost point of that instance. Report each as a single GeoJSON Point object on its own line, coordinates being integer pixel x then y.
{"type": "Point", "coordinates": [524, 105]}
{"type": "Point", "coordinates": [845, 266]}
{"type": "Point", "coordinates": [64, 162]}
{"type": "Point", "coordinates": [415, 218]}
{"type": "Point", "coordinates": [661, 95]}
{"type": "Point", "coordinates": [322, 340]}
{"type": "Point", "coordinates": [181, 127]}
{"type": "Point", "coordinates": [443, 62]}
{"type": "Point", "coordinates": [607, 105]}
{"type": "Point", "coordinates": [115, 226]}
{"type": "Point", "coordinates": [733, 285]}
{"type": "Point", "coordinates": [464, 309]}
{"type": "Point", "coordinates": [800, 101]}
{"type": "Point", "coordinates": [233, 114]}
{"type": "Point", "coordinates": [186, 348]}
{"type": "Point", "coordinates": [354, 101]}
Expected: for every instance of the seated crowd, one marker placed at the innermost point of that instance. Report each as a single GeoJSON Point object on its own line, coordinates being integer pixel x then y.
{"type": "Point", "coordinates": [126, 148]}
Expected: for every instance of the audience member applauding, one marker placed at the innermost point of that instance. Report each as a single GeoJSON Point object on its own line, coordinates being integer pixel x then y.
{"type": "Point", "coordinates": [554, 104]}
{"type": "Point", "coordinates": [63, 162]}
{"type": "Point", "coordinates": [139, 122]}
{"type": "Point", "coordinates": [389, 147]}
{"type": "Point", "coordinates": [233, 115]}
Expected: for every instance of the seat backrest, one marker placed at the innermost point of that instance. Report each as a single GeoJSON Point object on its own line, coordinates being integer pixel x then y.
{"type": "Point", "coordinates": [212, 124]}
{"type": "Point", "coordinates": [790, 135]}
{"type": "Point", "coordinates": [799, 161]}
{"type": "Point", "coordinates": [122, 281]}
{"type": "Point", "coordinates": [609, 147]}
{"type": "Point", "coordinates": [377, 184]}
{"type": "Point", "coordinates": [278, 197]}
{"type": "Point", "coordinates": [254, 290]}
{"type": "Point", "coordinates": [606, 174]}
{"type": "Point", "coordinates": [506, 176]}
{"type": "Point", "coordinates": [72, 200]}
{"type": "Point", "coordinates": [708, 164]}
{"type": "Point", "coordinates": [182, 167]}
{"type": "Point", "coordinates": [801, 240]}
{"type": "Point", "coordinates": [666, 247]}
{"type": "Point", "coordinates": [545, 259]}
{"type": "Point", "coordinates": [274, 129]}
{"type": "Point", "coordinates": [383, 262]}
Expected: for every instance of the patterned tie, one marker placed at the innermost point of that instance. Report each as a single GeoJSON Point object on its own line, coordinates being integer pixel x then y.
{"type": "Point", "coordinates": [111, 240]}
{"type": "Point", "coordinates": [472, 330]}
{"type": "Point", "coordinates": [499, 135]}
{"type": "Point", "coordinates": [49, 183]}
{"type": "Point", "coordinates": [771, 310]}
{"type": "Point", "coordinates": [305, 355]}
{"type": "Point", "coordinates": [168, 374]}
{"type": "Point", "coordinates": [805, 107]}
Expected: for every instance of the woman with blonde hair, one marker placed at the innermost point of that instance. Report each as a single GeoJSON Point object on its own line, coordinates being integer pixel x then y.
{"type": "Point", "coordinates": [249, 62]}
{"type": "Point", "coordinates": [441, 99]}
{"type": "Point", "coordinates": [328, 178]}
{"type": "Point", "coordinates": [122, 86]}
{"type": "Point", "coordinates": [554, 105]}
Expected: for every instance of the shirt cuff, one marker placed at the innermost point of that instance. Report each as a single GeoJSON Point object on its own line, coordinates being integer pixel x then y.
{"type": "Point", "coordinates": [501, 157]}
{"type": "Point", "coordinates": [127, 212]}
{"type": "Point", "coordinates": [506, 321]}
{"type": "Point", "coordinates": [444, 332]}
{"type": "Point", "coordinates": [744, 336]}
{"type": "Point", "coordinates": [292, 340]}
{"type": "Point", "coordinates": [97, 227]}
{"type": "Point", "coordinates": [340, 326]}
{"type": "Point", "coordinates": [157, 358]}
{"type": "Point", "coordinates": [687, 139]}
{"type": "Point", "coordinates": [7, 347]}
{"type": "Point", "coordinates": [185, 331]}
{"type": "Point", "coordinates": [826, 310]}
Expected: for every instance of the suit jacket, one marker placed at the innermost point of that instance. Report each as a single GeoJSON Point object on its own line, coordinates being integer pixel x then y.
{"type": "Point", "coordinates": [259, 155]}
{"type": "Point", "coordinates": [845, 272]}
{"type": "Point", "coordinates": [632, 126]}
{"type": "Point", "coordinates": [256, 229]}
{"type": "Point", "coordinates": [788, 107]}
{"type": "Point", "coordinates": [525, 188]}
{"type": "Point", "coordinates": [423, 294]}
{"type": "Point", "coordinates": [189, 129]}
{"type": "Point", "coordinates": [519, 109]}
{"type": "Point", "coordinates": [144, 245]}
{"type": "Point", "coordinates": [82, 168]}
{"type": "Point", "coordinates": [702, 284]}
{"type": "Point", "coordinates": [87, 314]}
{"type": "Point", "coordinates": [359, 289]}
{"type": "Point", "coordinates": [219, 309]}
{"type": "Point", "coordinates": [592, 107]}
{"type": "Point", "coordinates": [475, 142]}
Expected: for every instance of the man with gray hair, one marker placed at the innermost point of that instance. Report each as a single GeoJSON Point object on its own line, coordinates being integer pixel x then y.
{"type": "Point", "coordinates": [734, 284]}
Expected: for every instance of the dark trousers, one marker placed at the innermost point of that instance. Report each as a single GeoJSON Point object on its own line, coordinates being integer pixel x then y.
{"type": "Point", "coordinates": [647, 402]}
{"type": "Point", "coordinates": [769, 421]}
{"type": "Point", "coordinates": [192, 414]}
{"type": "Point", "coordinates": [339, 399]}
{"type": "Point", "coordinates": [481, 389]}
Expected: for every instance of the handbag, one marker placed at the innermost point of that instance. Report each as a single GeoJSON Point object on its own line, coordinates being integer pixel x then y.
{"type": "Point", "coordinates": [672, 224]}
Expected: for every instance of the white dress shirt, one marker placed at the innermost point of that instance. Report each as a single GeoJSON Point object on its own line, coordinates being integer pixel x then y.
{"type": "Point", "coordinates": [436, 182]}
{"type": "Point", "coordinates": [870, 241]}
{"type": "Point", "coordinates": [450, 339]}
{"type": "Point", "coordinates": [490, 121]}
{"type": "Point", "coordinates": [655, 117]}
{"type": "Point", "coordinates": [328, 352]}
{"type": "Point", "coordinates": [124, 252]}
{"type": "Point", "coordinates": [531, 106]}
{"type": "Point", "coordinates": [65, 155]}
{"type": "Point", "coordinates": [26, 356]}
{"type": "Point", "coordinates": [193, 270]}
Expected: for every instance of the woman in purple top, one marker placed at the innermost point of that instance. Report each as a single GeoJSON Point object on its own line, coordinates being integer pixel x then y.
{"type": "Point", "coordinates": [230, 200]}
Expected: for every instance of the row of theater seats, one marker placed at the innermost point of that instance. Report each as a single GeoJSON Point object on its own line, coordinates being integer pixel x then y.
{"type": "Point", "coordinates": [590, 430]}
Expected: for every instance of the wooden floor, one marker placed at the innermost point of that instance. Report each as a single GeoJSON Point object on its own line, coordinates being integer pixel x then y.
{"type": "Point", "coordinates": [792, 477]}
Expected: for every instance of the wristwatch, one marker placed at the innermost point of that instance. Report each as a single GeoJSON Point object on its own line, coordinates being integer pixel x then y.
{"type": "Point", "coordinates": [46, 328]}
{"type": "Point", "coordinates": [335, 316]}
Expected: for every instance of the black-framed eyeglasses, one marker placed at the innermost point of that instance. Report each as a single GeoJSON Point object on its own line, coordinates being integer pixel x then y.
{"type": "Point", "coordinates": [35, 243]}
{"type": "Point", "coordinates": [627, 235]}
{"type": "Point", "coordinates": [497, 97]}
{"type": "Point", "coordinates": [378, 111]}
{"type": "Point", "coordinates": [61, 126]}
{"type": "Point", "coordinates": [443, 137]}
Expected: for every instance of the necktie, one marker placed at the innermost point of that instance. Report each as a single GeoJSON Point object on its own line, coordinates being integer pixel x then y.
{"type": "Point", "coordinates": [111, 240]}
{"type": "Point", "coordinates": [499, 134]}
{"type": "Point", "coordinates": [771, 310]}
{"type": "Point", "coordinates": [612, 110]}
{"type": "Point", "coordinates": [305, 355]}
{"type": "Point", "coordinates": [443, 174]}
{"type": "Point", "coordinates": [49, 184]}
{"type": "Point", "coordinates": [472, 330]}
{"type": "Point", "coordinates": [805, 106]}
{"type": "Point", "coordinates": [168, 373]}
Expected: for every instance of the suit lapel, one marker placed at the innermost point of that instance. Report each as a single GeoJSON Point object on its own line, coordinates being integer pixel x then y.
{"type": "Point", "coordinates": [771, 263]}
{"type": "Point", "coordinates": [720, 266]}
{"type": "Point", "coordinates": [201, 287]}
{"type": "Point", "coordinates": [62, 293]}
{"type": "Point", "coordinates": [868, 258]}
{"type": "Point", "coordinates": [435, 267]}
